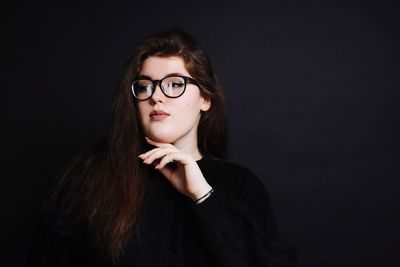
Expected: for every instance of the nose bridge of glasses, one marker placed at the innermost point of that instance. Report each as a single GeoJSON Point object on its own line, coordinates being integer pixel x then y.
{"type": "Point", "coordinates": [155, 84]}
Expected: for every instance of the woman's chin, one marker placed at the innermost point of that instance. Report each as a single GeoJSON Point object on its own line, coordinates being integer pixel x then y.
{"type": "Point", "coordinates": [162, 139]}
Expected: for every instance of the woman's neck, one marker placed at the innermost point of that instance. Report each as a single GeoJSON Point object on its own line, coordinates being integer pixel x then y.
{"type": "Point", "coordinates": [189, 148]}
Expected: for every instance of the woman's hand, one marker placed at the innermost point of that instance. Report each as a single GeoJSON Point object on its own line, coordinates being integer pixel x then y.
{"type": "Point", "coordinates": [187, 178]}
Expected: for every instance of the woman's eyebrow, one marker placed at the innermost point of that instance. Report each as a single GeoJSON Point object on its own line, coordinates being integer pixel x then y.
{"type": "Point", "coordinates": [141, 76]}
{"type": "Point", "coordinates": [175, 73]}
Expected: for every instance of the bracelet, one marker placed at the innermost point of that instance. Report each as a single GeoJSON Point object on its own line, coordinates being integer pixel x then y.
{"type": "Point", "coordinates": [204, 197]}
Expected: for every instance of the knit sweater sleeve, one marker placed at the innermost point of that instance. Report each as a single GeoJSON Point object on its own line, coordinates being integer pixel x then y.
{"type": "Point", "coordinates": [237, 224]}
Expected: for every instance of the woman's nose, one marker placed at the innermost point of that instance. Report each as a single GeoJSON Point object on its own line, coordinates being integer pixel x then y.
{"type": "Point", "coordinates": [158, 95]}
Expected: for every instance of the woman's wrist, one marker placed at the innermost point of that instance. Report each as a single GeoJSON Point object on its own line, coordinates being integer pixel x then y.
{"type": "Point", "coordinates": [201, 190]}
{"type": "Point", "coordinates": [203, 197]}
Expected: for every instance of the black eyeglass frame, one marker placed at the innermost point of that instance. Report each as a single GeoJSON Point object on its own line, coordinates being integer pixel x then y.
{"type": "Point", "coordinates": [186, 79]}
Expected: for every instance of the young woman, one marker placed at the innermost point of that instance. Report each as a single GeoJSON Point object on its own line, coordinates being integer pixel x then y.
{"type": "Point", "coordinates": [156, 192]}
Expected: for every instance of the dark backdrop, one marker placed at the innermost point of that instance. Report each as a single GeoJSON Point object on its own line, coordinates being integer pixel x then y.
{"type": "Point", "coordinates": [313, 108]}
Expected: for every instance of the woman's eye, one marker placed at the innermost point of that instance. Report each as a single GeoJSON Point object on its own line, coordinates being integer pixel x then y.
{"type": "Point", "coordinates": [176, 85]}
{"type": "Point", "coordinates": [144, 89]}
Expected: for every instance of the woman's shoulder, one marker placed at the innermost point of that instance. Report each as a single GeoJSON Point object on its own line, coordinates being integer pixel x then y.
{"type": "Point", "coordinates": [236, 182]}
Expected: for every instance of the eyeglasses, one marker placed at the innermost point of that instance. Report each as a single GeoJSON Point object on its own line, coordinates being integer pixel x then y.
{"type": "Point", "coordinates": [172, 86]}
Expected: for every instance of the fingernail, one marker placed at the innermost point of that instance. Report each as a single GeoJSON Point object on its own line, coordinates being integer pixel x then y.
{"type": "Point", "coordinates": [156, 167]}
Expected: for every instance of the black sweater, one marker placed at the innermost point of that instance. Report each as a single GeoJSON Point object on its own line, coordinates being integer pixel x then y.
{"type": "Point", "coordinates": [233, 227]}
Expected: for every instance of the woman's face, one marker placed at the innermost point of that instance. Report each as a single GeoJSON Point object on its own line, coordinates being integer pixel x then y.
{"type": "Point", "coordinates": [180, 119]}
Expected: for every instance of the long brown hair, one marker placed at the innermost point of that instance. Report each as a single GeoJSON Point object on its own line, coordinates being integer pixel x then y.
{"type": "Point", "coordinates": [102, 190]}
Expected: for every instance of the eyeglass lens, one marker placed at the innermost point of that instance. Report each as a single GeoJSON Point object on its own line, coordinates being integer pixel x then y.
{"type": "Point", "coordinates": [172, 86]}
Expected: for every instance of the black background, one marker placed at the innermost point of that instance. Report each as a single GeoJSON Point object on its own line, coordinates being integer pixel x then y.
{"type": "Point", "coordinates": [313, 108]}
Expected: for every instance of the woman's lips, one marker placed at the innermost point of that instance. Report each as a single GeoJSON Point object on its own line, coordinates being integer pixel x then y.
{"type": "Point", "coordinates": [158, 115]}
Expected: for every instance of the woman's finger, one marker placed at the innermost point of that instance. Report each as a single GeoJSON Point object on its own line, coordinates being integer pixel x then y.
{"type": "Point", "coordinates": [159, 153]}
{"type": "Point", "coordinates": [167, 159]}
{"type": "Point", "coordinates": [175, 156]}
{"type": "Point", "coordinates": [158, 146]}
{"type": "Point", "coordinates": [148, 153]}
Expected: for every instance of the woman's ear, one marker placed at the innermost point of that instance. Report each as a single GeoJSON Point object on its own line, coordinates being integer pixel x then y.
{"type": "Point", "coordinates": [206, 105]}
